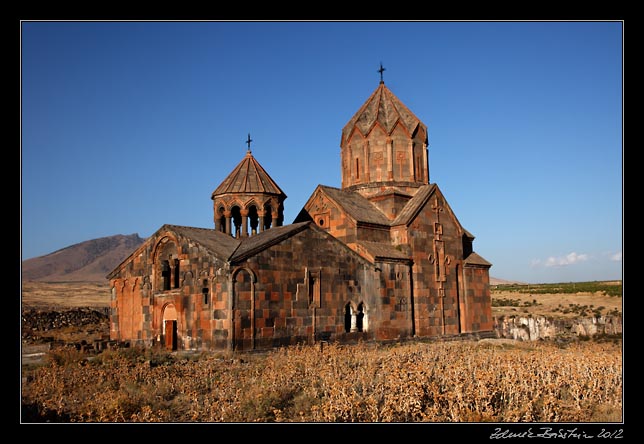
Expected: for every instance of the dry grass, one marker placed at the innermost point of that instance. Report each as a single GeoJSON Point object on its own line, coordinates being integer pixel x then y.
{"type": "Point", "coordinates": [484, 381]}
{"type": "Point", "coordinates": [413, 382]}
{"type": "Point", "coordinates": [61, 295]}
{"type": "Point", "coordinates": [557, 305]}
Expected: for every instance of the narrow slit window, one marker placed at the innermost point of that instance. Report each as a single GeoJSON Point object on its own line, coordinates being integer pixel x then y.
{"type": "Point", "coordinates": [176, 273]}
{"type": "Point", "coordinates": [165, 275]}
{"type": "Point", "coordinates": [205, 291]}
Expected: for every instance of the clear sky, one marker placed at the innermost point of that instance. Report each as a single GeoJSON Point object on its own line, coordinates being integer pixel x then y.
{"type": "Point", "coordinates": [126, 126]}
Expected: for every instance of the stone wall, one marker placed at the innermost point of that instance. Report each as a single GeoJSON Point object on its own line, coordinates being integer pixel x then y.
{"type": "Point", "coordinates": [529, 328]}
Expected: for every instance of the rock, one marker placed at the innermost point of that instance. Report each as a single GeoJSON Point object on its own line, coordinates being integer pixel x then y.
{"type": "Point", "coordinates": [38, 324]}
{"type": "Point", "coordinates": [529, 328]}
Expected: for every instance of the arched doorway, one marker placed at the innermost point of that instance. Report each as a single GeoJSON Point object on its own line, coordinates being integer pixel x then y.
{"type": "Point", "coordinates": [170, 327]}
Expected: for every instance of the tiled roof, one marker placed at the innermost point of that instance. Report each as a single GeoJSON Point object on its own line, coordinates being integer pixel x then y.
{"type": "Point", "coordinates": [248, 177]}
{"type": "Point", "coordinates": [385, 108]}
{"type": "Point", "coordinates": [475, 259]}
{"type": "Point", "coordinates": [414, 204]}
{"type": "Point", "coordinates": [260, 241]}
{"type": "Point", "coordinates": [229, 248]}
{"type": "Point", "coordinates": [391, 191]}
{"type": "Point", "coordinates": [357, 206]}
{"type": "Point", "coordinates": [222, 244]}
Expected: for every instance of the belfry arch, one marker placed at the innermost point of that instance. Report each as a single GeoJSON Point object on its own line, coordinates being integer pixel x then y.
{"type": "Point", "coordinates": [248, 201]}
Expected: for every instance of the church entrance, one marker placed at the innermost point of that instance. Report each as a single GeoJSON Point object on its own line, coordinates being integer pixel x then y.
{"type": "Point", "coordinates": [170, 327]}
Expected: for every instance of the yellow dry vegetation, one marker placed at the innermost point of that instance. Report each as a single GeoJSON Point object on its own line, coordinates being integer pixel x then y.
{"type": "Point", "coordinates": [463, 381]}
{"type": "Point", "coordinates": [557, 305]}
{"type": "Point", "coordinates": [61, 295]}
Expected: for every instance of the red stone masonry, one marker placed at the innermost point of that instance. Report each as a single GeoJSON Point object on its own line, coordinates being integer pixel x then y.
{"type": "Point", "coordinates": [381, 258]}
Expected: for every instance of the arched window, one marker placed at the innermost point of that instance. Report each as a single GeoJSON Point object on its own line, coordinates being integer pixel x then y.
{"type": "Point", "coordinates": [347, 317]}
{"type": "Point", "coordinates": [205, 291]}
{"type": "Point", "coordinates": [237, 222]}
{"type": "Point", "coordinates": [253, 219]}
{"type": "Point", "coordinates": [165, 274]}
{"type": "Point", "coordinates": [360, 317]}
{"type": "Point", "coordinates": [268, 216]}
{"type": "Point", "coordinates": [221, 220]}
{"type": "Point", "coordinates": [176, 274]}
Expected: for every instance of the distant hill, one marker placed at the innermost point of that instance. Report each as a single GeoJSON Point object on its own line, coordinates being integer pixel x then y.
{"type": "Point", "coordinates": [88, 261]}
{"type": "Point", "coordinates": [497, 281]}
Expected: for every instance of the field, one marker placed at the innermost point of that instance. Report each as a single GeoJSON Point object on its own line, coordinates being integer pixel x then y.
{"type": "Point", "coordinates": [463, 381]}
{"type": "Point", "coordinates": [564, 300]}
{"type": "Point", "coordinates": [484, 381]}
{"type": "Point", "coordinates": [62, 295]}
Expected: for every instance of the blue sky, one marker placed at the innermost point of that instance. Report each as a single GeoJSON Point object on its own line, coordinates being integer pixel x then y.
{"type": "Point", "coordinates": [126, 126]}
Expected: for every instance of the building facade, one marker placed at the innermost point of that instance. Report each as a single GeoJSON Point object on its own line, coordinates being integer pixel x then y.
{"type": "Point", "coordinates": [381, 258]}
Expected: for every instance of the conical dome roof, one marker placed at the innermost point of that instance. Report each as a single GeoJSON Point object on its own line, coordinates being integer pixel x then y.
{"type": "Point", "coordinates": [248, 177]}
{"type": "Point", "coordinates": [386, 109]}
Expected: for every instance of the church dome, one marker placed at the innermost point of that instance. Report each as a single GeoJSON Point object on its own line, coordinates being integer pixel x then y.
{"type": "Point", "coordinates": [386, 109]}
{"type": "Point", "coordinates": [384, 144]}
{"type": "Point", "coordinates": [248, 201]}
{"type": "Point", "coordinates": [248, 177]}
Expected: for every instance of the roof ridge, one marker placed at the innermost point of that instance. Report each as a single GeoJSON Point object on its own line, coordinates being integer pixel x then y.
{"type": "Point", "coordinates": [369, 213]}
{"type": "Point", "coordinates": [253, 244]}
{"type": "Point", "coordinates": [413, 205]}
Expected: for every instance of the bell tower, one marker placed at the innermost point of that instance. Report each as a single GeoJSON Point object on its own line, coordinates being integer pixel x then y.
{"type": "Point", "coordinates": [248, 201]}
{"type": "Point", "coordinates": [384, 147]}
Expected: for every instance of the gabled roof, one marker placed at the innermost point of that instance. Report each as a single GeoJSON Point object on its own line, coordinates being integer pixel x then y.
{"type": "Point", "coordinates": [221, 244]}
{"type": "Point", "coordinates": [389, 191]}
{"type": "Point", "coordinates": [415, 204]}
{"type": "Point", "coordinates": [386, 109]}
{"type": "Point", "coordinates": [248, 177]}
{"type": "Point", "coordinates": [232, 249]}
{"type": "Point", "coordinates": [475, 259]}
{"type": "Point", "coordinates": [363, 211]}
{"type": "Point", "coordinates": [356, 206]}
{"type": "Point", "coordinates": [252, 245]}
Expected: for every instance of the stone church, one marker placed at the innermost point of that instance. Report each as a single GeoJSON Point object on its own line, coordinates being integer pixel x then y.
{"type": "Point", "coordinates": [381, 258]}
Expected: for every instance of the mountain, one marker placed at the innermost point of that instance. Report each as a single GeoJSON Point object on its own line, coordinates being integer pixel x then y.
{"type": "Point", "coordinates": [497, 281]}
{"type": "Point", "coordinates": [88, 261]}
